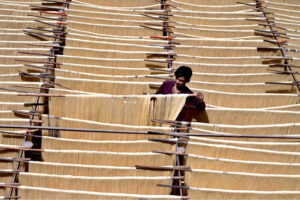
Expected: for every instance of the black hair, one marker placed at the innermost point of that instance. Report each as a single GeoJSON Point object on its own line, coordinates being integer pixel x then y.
{"type": "Point", "coordinates": [184, 71]}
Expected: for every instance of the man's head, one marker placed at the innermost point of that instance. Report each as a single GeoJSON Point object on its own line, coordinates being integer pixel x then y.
{"type": "Point", "coordinates": [183, 75]}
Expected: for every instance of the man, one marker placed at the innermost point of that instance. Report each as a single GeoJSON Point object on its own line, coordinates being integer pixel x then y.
{"type": "Point", "coordinates": [183, 75]}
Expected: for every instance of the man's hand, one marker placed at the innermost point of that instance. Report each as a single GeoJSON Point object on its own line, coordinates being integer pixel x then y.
{"type": "Point", "coordinates": [200, 96]}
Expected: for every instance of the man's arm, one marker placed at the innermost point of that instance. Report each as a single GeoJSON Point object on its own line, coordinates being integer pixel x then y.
{"type": "Point", "coordinates": [197, 101]}
{"type": "Point", "coordinates": [161, 88]}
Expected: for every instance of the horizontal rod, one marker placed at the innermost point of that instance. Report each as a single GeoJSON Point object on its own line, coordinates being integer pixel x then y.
{"type": "Point", "coordinates": [46, 30]}
{"type": "Point", "coordinates": [173, 186]}
{"type": "Point", "coordinates": [156, 29]}
{"type": "Point", "coordinates": [41, 62]}
{"type": "Point", "coordinates": [46, 45]}
{"type": "Point", "coordinates": [10, 172]}
{"type": "Point", "coordinates": [13, 90]}
{"type": "Point", "coordinates": [162, 37]}
{"type": "Point", "coordinates": [43, 35]}
{"type": "Point", "coordinates": [38, 54]}
{"type": "Point", "coordinates": [47, 8]}
{"type": "Point", "coordinates": [170, 153]}
{"type": "Point", "coordinates": [273, 32]}
{"type": "Point", "coordinates": [183, 135]}
{"type": "Point", "coordinates": [280, 83]}
{"type": "Point", "coordinates": [276, 41]}
{"type": "Point", "coordinates": [283, 72]}
{"type": "Point", "coordinates": [52, 1]}
{"type": "Point", "coordinates": [14, 160]}
{"type": "Point", "coordinates": [178, 168]}
{"type": "Point", "coordinates": [161, 25]}
{"type": "Point", "coordinates": [39, 67]}
{"type": "Point", "coordinates": [162, 54]}
{"type": "Point", "coordinates": [33, 87]}
{"type": "Point", "coordinates": [272, 25]}
{"type": "Point", "coordinates": [21, 134]}
{"type": "Point", "coordinates": [266, 35]}
{"type": "Point", "coordinates": [34, 104]}
{"type": "Point", "coordinates": [48, 18]}
{"type": "Point", "coordinates": [160, 61]}
{"type": "Point", "coordinates": [167, 141]}
{"type": "Point", "coordinates": [269, 48]}
{"type": "Point", "coordinates": [52, 13]}
{"type": "Point", "coordinates": [25, 113]}
{"type": "Point", "coordinates": [160, 14]}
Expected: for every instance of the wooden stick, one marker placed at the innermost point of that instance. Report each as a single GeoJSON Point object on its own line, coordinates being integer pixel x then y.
{"type": "Point", "coordinates": [47, 8]}
{"type": "Point", "coordinates": [173, 186]}
{"type": "Point", "coordinates": [42, 75]}
{"type": "Point", "coordinates": [13, 90]}
{"type": "Point", "coordinates": [169, 133]}
{"type": "Point", "coordinates": [156, 29]}
{"type": "Point", "coordinates": [178, 168]}
{"type": "Point", "coordinates": [52, 13]}
{"type": "Point", "coordinates": [52, 1]}
{"type": "Point", "coordinates": [269, 48]}
{"type": "Point", "coordinates": [38, 54]}
{"type": "Point", "coordinates": [273, 32]}
{"type": "Point", "coordinates": [14, 160]}
{"type": "Point", "coordinates": [10, 172]}
{"type": "Point", "coordinates": [162, 54]}
{"type": "Point", "coordinates": [34, 104]}
{"type": "Point", "coordinates": [157, 18]}
{"type": "Point", "coordinates": [160, 14]}
{"type": "Point", "coordinates": [162, 37]}
{"type": "Point", "coordinates": [22, 149]}
{"type": "Point", "coordinates": [25, 86]}
{"type": "Point", "coordinates": [41, 62]}
{"type": "Point", "coordinates": [48, 18]}
{"type": "Point", "coordinates": [46, 45]}
{"type": "Point", "coordinates": [9, 185]}
{"type": "Point", "coordinates": [276, 41]}
{"type": "Point", "coordinates": [39, 67]}
{"type": "Point", "coordinates": [265, 35]}
{"type": "Point", "coordinates": [25, 113]}
{"type": "Point", "coordinates": [272, 25]}
{"type": "Point", "coordinates": [161, 25]}
{"type": "Point", "coordinates": [258, 20]}
{"type": "Point", "coordinates": [160, 61]}
{"type": "Point", "coordinates": [283, 72]}
{"type": "Point", "coordinates": [51, 31]}
{"type": "Point", "coordinates": [42, 22]}
{"type": "Point", "coordinates": [183, 135]}
{"type": "Point", "coordinates": [247, 4]}
{"type": "Point", "coordinates": [280, 83]}
{"type": "Point", "coordinates": [167, 141]}
{"type": "Point", "coordinates": [44, 35]}
{"type": "Point", "coordinates": [170, 153]}
{"type": "Point", "coordinates": [21, 134]}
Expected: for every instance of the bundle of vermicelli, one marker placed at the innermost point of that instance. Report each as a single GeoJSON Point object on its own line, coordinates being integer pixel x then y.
{"type": "Point", "coordinates": [136, 110]}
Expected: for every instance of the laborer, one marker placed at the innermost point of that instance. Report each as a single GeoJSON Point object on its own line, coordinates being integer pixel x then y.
{"type": "Point", "coordinates": [183, 75]}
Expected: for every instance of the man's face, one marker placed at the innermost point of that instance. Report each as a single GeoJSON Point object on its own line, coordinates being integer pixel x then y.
{"type": "Point", "coordinates": [180, 82]}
